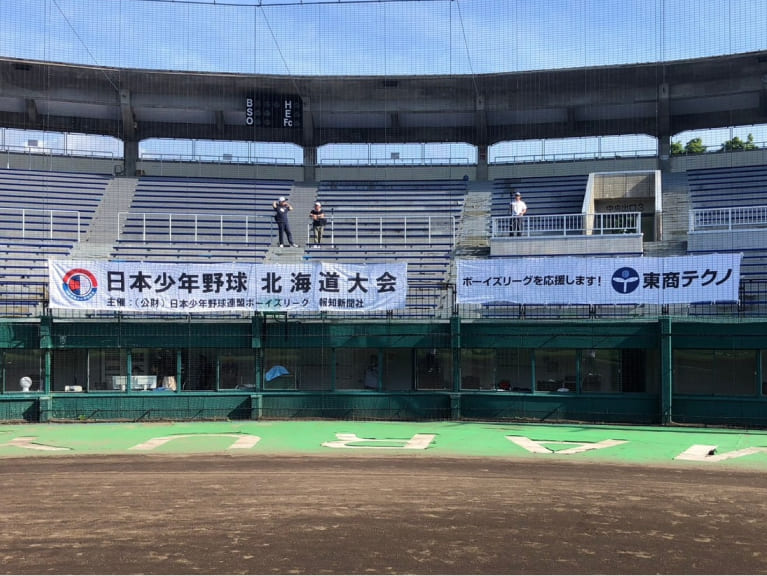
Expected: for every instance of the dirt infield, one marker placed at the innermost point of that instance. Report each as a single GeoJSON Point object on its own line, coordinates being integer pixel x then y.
{"type": "Point", "coordinates": [217, 514]}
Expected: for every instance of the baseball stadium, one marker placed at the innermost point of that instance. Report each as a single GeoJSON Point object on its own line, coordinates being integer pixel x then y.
{"type": "Point", "coordinates": [383, 286]}
{"type": "Point", "coordinates": [146, 145]}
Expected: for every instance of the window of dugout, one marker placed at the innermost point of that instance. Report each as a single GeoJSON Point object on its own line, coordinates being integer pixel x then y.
{"type": "Point", "coordinates": [608, 371]}
{"type": "Point", "coordinates": [297, 369]}
{"type": "Point", "coordinates": [392, 369]}
{"type": "Point", "coordinates": [374, 370]}
{"type": "Point", "coordinates": [209, 369]}
{"type": "Point", "coordinates": [82, 370]}
{"type": "Point", "coordinates": [152, 369]}
{"type": "Point", "coordinates": [716, 372]}
{"type": "Point", "coordinates": [22, 370]}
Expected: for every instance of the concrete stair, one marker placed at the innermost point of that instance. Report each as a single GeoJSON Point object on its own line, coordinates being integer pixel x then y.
{"type": "Point", "coordinates": [676, 208]}
{"type": "Point", "coordinates": [302, 198]}
{"type": "Point", "coordinates": [103, 231]}
{"type": "Point", "coordinates": [473, 238]}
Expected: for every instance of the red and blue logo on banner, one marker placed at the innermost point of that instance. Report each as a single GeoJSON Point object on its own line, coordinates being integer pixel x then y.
{"type": "Point", "coordinates": [80, 284]}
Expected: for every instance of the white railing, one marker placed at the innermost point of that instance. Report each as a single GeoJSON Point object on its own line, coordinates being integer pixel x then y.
{"type": "Point", "coordinates": [215, 159]}
{"type": "Point", "coordinates": [41, 223]}
{"type": "Point", "coordinates": [568, 224]}
{"type": "Point", "coordinates": [404, 161]}
{"type": "Point", "coordinates": [573, 156]}
{"type": "Point", "coordinates": [381, 230]}
{"type": "Point", "coordinates": [348, 230]}
{"type": "Point", "coordinates": [170, 226]}
{"type": "Point", "coordinates": [55, 151]}
{"type": "Point", "coordinates": [718, 219]}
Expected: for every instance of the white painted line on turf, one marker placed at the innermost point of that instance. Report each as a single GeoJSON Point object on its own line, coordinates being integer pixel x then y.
{"type": "Point", "coordinates": [242, 441]}
{"type": "Point", "coordinates": [29, 442]}
{"type": "Point", "coordinates": [539, 446]}
{"type": "Point", "coordinates": [417, 442]}
{"type": "Point", "coordinates": [705, 453]}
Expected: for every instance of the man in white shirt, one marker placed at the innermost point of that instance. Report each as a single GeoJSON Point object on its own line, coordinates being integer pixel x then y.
{"type": "Point", "coordinates": [518, 210]}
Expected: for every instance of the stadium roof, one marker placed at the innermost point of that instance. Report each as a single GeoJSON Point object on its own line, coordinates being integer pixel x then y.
{"type": "Point", "coordinates": [136, 104]}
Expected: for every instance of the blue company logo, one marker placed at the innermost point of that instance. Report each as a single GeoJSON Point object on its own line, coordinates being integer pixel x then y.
{"type": "Point", "coordinates": [80, 284]}
{"type": "Point", "coordinates": [625, 280]}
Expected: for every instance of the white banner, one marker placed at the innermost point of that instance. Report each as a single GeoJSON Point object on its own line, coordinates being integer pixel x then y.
{"type": "Point", "coordinates": [582, 280]}
{"type": "Point", "coordinates": [327, 286]}
{"type": "Point", "coordinates": [229, 287]}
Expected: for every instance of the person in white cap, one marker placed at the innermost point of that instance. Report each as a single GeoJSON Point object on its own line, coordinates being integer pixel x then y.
{"type": "Point", "coordinates": [281, 208]}
{"type": "Point", "coordinates": [318, 223]}
{"type": "Point", "coordinates": [518, 209]}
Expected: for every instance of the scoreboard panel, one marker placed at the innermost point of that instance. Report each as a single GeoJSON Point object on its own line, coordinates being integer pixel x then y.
{"type": "Point", "coordinates": [273, 111]}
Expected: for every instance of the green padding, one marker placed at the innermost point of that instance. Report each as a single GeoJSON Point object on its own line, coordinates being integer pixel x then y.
{"type": "Point", "coordinates": [15, 409]}
{"type": "Point", "coordinates": [151, 407]}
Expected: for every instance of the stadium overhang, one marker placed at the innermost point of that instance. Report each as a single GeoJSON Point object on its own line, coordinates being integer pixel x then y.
{"type": "Point", "coordinates": [658, 99]}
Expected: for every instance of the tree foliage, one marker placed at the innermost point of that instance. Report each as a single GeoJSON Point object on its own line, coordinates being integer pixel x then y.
{"type": "Point", "coordinates": [737, 145]}
{"type": "Point", "coordinates": [694, 146]}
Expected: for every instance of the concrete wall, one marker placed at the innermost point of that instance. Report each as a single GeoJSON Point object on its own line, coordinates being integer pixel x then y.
{"type": "Point", "coordinates": [567, 245]}
{"type": "Point", "coordinates": [718, 160]}
{"type": "Point", "coordinates": [30, 161]}
{"type": "Point", "coordinates": [624, 185]}
{"type": "Point", "coordinates": [445, 172]}
{"type": "Point", "coordinates": [59, 163]}
{"type": "Point", "coordinates": [727, 240]}
{"type": "Point", "coordinates": [570, 168]}
{"type": "Point", "coordinates": [221, 170]}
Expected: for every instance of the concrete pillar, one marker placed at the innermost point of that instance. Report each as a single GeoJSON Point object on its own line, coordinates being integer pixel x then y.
{"type": "Point", "coordinates": [480, 119]}
{"type": "Point", "coordinates": [482, 162]}
{"type": "Point", "coordinates": [310, 163]}
{"type": "Point", "coordinates": [664, 127]}
{"type": "Point", "coordinates": [130, 153]}
{"type": "Point", "coordinates": [310, 149]}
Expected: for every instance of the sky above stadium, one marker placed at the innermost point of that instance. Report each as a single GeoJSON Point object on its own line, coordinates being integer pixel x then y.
{"type": "Point", "coordinates": [377, 37]}
{"type": "Point", "coordinates": [383, 37]}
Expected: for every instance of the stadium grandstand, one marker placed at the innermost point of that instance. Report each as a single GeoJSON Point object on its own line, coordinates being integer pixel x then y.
{"type": "Point", "coordinates": [143, 144]}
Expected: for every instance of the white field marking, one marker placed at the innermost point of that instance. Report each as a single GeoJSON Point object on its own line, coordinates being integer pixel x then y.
{"type": "Point", "coordinates": [242, 441]}
{"type": "Point", "coordinates": [538, 447]}
{"type": "Point", "coordinates": [29, 442]}
{"type": "Point", "coordinates": [704, 453]}
{"type": "Point", "coordinates": [417, 442]}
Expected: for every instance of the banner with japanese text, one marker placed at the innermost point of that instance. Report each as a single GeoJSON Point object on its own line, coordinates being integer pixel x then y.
{"type": "Point", "coordinates": [229, 287]}
{"type": "Point", "coordinates": [583, 280]}
{"type": "Point", "coordinates": [328, 286]}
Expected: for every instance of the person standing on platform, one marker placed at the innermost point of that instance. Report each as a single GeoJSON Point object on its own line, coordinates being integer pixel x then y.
{"type": "Point", "coordinates": [281, 208]}
{"type": "Point", "coordinates": [518, 209]}
{"type": "Point", "coordinates": [318, 224]}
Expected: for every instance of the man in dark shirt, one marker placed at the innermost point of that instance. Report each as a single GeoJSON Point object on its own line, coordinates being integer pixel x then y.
{"type": "Point", "coordinates": [318, 223]}
{"type": "Point", "coordinates": [281, 209]}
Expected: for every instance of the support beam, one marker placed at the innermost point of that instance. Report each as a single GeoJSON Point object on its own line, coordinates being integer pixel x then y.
{"type": "Point", "coordinates": [310, 149]}
{"type": "Point", "coordinates": [130, 154]}
{"type": "Point", "coordinates": [32, 114]}
{"type": "Point", "coordinates": [128, 118]}
{"type": "Point", "coordinates": [455, 345]}
{"type": "Point", "coordinates": [666, 371]}
{"type": "Point", "coordinates": [310, 163]}
{"type": "Point", "coordinates": [664, 125]}
{"type": "Point", "coordinates": [480, 138]}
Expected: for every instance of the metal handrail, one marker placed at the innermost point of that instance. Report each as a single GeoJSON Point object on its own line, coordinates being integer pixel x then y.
{"type": "Point", "coordinates": [735, 218]}
{"type": "Point", "coordinates": [221, 225]}
{"type": "Point", "coordinates": [359, 230]}
{"type": "Point", "coordinates": [48, 216]}
{"type": "Point", "coordinates": [380, 230]}
{"type": "Point", "coordinates": [568, 224]}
